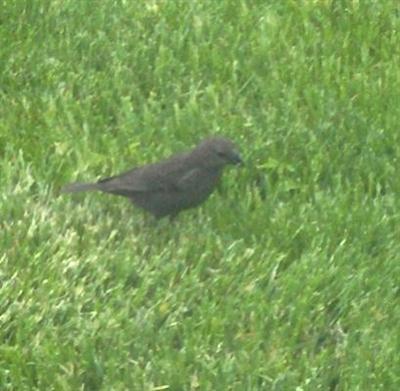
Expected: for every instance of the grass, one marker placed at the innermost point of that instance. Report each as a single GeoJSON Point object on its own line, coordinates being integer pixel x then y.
{"type": "Point", "coordinates": [286, 279]}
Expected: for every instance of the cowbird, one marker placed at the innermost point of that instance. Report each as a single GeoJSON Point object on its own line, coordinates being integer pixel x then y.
{"type": "Point", "coordinates": [167, 187]}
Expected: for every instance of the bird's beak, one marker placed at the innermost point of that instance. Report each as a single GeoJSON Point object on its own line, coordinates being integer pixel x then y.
{"type": "Point", "coordinates": [236, 159]}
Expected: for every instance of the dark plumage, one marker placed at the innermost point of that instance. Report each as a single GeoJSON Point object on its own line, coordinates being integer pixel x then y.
{"type": "Point", "coordinates": [180, 182]}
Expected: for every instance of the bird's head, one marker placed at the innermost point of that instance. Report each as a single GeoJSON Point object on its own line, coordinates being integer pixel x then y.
{"type": "Point", "coordinates": [218, 152]}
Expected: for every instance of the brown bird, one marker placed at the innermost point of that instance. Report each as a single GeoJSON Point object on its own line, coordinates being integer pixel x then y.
{"type": "Point", "coordinates": [180, 182]}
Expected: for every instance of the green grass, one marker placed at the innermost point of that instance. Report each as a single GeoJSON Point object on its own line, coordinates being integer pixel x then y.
{"type": "Point", "coordinates": [286, 279]}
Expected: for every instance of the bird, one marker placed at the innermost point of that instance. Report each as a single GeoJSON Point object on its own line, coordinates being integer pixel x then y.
{"type": "Point", "coordinates": [165, 188]}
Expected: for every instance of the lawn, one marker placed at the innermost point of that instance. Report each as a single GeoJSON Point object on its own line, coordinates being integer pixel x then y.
{"type": "Point", "coordinates": [287, 278]}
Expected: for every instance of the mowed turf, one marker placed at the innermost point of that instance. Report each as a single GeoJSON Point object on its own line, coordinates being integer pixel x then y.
{"type": "Point", "coordinates": [287, 278]}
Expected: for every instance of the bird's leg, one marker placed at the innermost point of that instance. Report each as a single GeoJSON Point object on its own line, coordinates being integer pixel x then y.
{"type": "Point", "coordinates": [172, 217]}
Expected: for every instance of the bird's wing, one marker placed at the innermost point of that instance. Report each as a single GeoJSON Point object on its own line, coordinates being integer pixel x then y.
{"type": "Point", "coordinates": [166, 176]}
{"type": "Point", "coordinates": [189, 179]}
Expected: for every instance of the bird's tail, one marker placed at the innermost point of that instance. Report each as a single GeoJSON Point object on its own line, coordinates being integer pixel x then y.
{"type": "Point", "coordinates": [78, 187]}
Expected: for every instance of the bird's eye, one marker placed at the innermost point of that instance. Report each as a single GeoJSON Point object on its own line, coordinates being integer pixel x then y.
{"type": "Point", "coordinates": [221, 154]}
